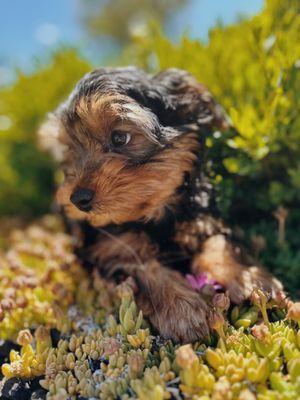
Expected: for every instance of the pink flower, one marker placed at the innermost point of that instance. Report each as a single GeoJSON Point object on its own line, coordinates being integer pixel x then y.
{"type": "Point", "coordinates": [199, 281]}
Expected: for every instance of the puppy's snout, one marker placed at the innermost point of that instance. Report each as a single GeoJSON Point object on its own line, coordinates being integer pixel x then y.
{"type": "Point", "coordinates": [82, 198]}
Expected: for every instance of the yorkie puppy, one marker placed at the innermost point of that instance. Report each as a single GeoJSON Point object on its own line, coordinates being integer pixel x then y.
{"type": "Point", "coordinates": [131, 147]}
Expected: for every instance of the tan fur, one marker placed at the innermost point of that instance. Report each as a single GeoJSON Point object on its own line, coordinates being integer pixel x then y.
{"type": "Point", "coordinates": [128, 193]}
{"type": "Point", "coordinates": [99, 114]}
{"type": "Point", "coordinates": [215, 255]}
{"type": "Point", "coordinates": [222, 261]}
{"type": "Point", "coordinates": [165, 297]}
{"type": "Point", "coordinates": [190, 234]}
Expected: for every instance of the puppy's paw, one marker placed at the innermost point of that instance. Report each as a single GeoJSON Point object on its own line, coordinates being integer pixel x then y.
{"type": "Point", "coordinates": [180, 314]}
{"type": "Point", "coordinates": [249, 279]}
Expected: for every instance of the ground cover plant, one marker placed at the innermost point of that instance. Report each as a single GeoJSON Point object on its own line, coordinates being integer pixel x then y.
{"type": "Point", "coordinates": [67, 334]}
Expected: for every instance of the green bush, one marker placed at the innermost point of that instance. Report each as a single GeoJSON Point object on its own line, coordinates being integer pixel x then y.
{"type": "Point", "coordinates": [27, 175]}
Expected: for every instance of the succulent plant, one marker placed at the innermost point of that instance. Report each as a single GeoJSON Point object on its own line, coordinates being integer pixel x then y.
{"type": "Point", "coordinates": [87, 338]}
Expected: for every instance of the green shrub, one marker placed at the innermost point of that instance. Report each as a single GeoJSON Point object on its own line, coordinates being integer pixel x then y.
{"type": "Point", "coordinates": [27, 175]}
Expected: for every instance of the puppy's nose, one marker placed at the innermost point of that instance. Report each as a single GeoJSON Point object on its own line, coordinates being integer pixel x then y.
{"type": "Point", "coordinates": [82, 198]}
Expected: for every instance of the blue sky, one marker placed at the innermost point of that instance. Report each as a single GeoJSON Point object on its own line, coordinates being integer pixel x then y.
{"type": "Point", "coordinates": [28, 28]}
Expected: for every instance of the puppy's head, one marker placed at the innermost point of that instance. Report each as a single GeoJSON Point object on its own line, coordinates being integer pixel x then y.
{"type": "Point", "coordinates": [126, 141]}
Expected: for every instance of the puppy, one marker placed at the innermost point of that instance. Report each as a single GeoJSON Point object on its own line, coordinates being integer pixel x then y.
{"type": "Point", "coordinates": [131, 146]}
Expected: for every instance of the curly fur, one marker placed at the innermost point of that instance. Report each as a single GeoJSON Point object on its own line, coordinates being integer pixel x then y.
{"type": "Point", "coordinates": [152, 211]}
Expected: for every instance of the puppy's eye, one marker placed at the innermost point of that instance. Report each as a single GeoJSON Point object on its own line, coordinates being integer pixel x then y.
{"type": "Point", "coordinates": [120, 139]}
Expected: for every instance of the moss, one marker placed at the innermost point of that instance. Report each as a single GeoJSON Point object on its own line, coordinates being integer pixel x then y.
{"type": "Point", "coordinates": [83, 337]}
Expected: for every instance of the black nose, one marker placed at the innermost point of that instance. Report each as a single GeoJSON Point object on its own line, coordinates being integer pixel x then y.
{"type": "Point", "coordinates": [82, 198]}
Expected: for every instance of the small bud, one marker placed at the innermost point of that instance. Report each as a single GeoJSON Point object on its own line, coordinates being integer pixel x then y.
{"type": "Point", "coordinates": [222, 389]}
{"type": "Point", "coordinates": [185, 356]}
{"type": "Point", "coordinates": [294, 311]}
{"type": "Point", "coordinates": [24, 337]}
{"type": "Point", "coordinates": [258, 297]}
{"type": "Point", "coordinates": [280, 299]}
{"type": "Point", "coordinates": [21, 302]}
{"type": "Point", "coordinates": [261, 332]}
{"type": "Point", "coordinates": [136, 363]}
{"type": "Point", "coordinates": [110, 346]}
{"type": "Point", "coordinates": [7, 304]}
{"type": "Point", "coordinates": [221, 301]}
{"type": "Point", "coordinates": [10, 292]}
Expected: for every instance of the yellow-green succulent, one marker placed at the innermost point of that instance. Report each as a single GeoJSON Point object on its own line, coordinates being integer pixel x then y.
{"type": "Point", "coordinates": [89, 339]}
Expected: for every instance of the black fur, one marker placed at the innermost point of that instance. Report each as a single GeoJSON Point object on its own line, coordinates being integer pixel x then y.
{"type": "Point", "coordinates": [173, 97]}
{"type": "Point", "coordinates": [180, 105]}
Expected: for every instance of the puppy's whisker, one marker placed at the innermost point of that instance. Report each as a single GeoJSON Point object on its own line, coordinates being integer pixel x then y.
{"type": "Point", "coordinates": [124, 245]}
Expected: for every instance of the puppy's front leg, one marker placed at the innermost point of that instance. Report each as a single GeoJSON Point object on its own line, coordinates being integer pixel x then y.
{"type": "Point", "coordinates": [165, 297]}
{"type": "Point", "coordinates": [215, 255]}
{"type": "Point", "coordinates": [221, 259]}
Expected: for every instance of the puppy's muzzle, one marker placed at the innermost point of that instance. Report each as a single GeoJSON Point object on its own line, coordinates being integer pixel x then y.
{"type": "Point", "coordinates": [83, 198]}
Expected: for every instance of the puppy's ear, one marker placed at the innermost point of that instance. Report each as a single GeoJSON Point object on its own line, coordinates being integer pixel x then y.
{"type": "Point", "coordinates": [187, 102]}
{"type": "Point", "coordinates": [50, 137]}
